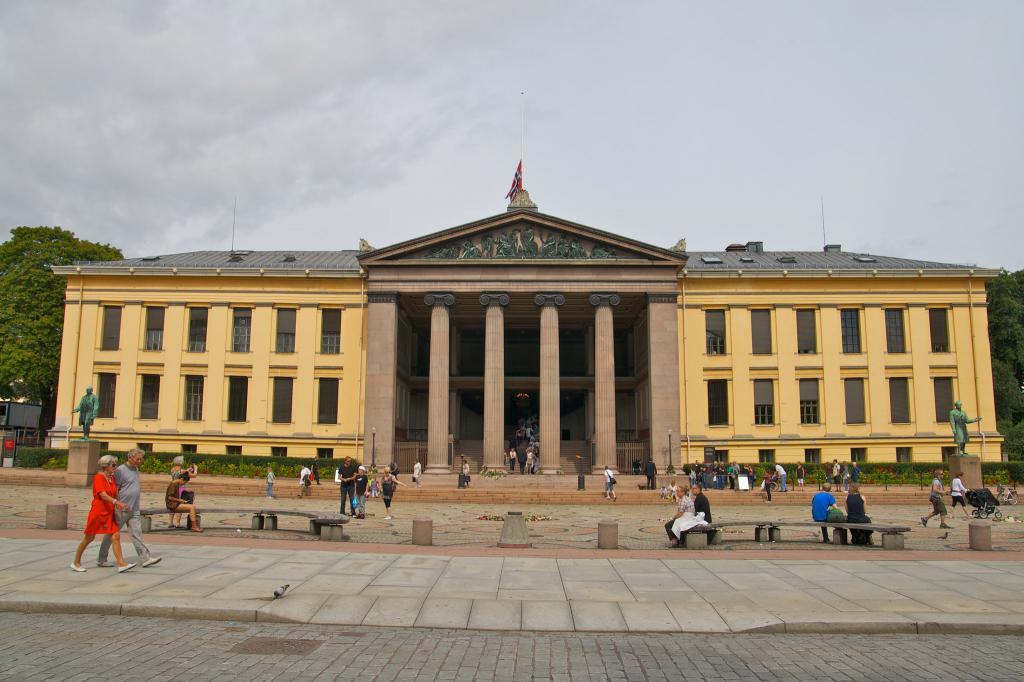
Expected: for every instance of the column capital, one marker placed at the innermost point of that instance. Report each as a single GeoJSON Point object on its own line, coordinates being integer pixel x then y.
{"type": "Point", "coordinates": [436, 299]}
{"type": "Point", "coordinates": [494, 298]}
{"type": "Point", "coordinates": [598, 300]}
{"type": "Point", "coordinates": [543, 300]}
{"type": "Point", "coordinates": [382, 297]}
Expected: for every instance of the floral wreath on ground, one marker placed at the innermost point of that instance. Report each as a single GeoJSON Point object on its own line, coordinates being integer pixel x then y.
{"type": "Point", "coordinates": [526, 517]}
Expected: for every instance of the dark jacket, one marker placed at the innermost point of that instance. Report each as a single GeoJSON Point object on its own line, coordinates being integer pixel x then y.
{"type": "Point", "coordinates": [701, 504]}
{"type": "Point", "coordinates": [650, 469]}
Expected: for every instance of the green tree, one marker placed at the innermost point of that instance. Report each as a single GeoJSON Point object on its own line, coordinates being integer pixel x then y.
{"type": "Point", "coordinates": [1006, 333]}
{"type": "Point", "coordinates": [32, 309]}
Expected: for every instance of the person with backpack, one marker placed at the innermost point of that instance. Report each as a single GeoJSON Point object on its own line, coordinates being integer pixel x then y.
{"type": "Point", "coordinates": [387, 489]}
{"type": "Point", "coordinates": [362, 480]}
{"type": "Point", "coordinates": [304, 480]}
{"type": "Point", "coordinates": [609, 484]}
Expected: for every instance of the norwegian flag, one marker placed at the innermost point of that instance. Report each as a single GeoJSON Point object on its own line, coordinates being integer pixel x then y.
{"type": "Point", "coordinates": [517, 182]}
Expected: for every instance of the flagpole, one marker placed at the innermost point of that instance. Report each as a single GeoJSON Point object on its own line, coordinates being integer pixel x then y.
{"type": "Point", "coordinates": [522, 149]}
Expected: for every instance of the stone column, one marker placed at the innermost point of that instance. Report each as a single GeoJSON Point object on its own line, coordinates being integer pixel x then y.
{"type": "Point", "coordinates": [663, 364]}
{"type": "Point", "coordinates": [437, 410]}
{"type": "Point", "coordinates": [381, 375]}
{"type": "Point", "coordinates": [494, 380]}
{"type": "Point", "coordinates": [550, 393]}
{"type": "Point", "coordinates": [604, 379]}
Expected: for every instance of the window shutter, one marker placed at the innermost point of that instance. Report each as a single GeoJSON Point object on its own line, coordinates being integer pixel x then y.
{"type": "Point", "coordinates": [899, 401]}
{"type": "Point", "coordinates": [938, 322]}
{"type": "Point", "coordinates": [761, 331]}
{"type": "Point", "coordinates": [327, 408]}
{"type": "Point", "coordinates": [943, 398]}
{"type": "Point", "coordinates": [763, 393]}
{"type": "Point", "coordinates": [111, 327]}
{"type": "Point", "coordinates": [154, 319]}
{"type": "Point", "coordinates": [332, 321]}
{"type": "Point", "coordinates": [806, 334]}
{"type": "Point", "coordinates": [854, 389]}
{"type": "Point", "coordinates": [808, 389]}
{"type": "Point", "coordinates": [286, 321]}
{"type": "Point", "coordinates": [282, 400]}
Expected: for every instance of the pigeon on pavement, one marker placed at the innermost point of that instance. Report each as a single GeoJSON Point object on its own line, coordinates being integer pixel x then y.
{"type": "Point", "coordinates": [279, 592]}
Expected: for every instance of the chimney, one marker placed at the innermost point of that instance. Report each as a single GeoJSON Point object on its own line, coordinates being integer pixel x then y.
{"type": "Point", "coordinates": [735, 247]}
{"type": "Point", "coordinates": [755, 247]}
{"type": "Point", "coordinates": [833, 248]}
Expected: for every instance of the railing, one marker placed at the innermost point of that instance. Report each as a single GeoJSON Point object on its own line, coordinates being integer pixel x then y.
{"type": "Point", "coordinates": [631, 451]}
{"type": "Point", "coordinates": [407, 453]}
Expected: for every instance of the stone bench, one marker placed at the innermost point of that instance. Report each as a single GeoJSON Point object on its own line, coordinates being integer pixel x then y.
{"type": "Point", "coordinates": [263, 519]}
{"type": "Point", "coordinates": [771, 531]}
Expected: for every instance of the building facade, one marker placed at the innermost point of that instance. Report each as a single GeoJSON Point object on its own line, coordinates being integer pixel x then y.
{"type": "Point", "coordinates": [452, 344]}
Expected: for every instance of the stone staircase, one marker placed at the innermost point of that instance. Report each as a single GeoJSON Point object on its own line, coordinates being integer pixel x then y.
{"type": "Point", "coordinates": [511, 489]}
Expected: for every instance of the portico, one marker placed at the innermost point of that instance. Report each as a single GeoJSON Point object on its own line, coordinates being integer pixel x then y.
{"type": "Point", "coordinates": [475, 331]}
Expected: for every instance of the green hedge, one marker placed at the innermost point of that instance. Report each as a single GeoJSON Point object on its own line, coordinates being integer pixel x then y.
{"type": "Point", "coordinates": [246, 466]}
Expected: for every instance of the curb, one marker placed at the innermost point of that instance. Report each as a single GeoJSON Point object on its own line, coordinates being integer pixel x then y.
{"type": "Point", "coordinates": [276, 612]}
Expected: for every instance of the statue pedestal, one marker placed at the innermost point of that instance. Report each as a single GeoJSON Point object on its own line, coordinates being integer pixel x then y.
{"type": "Point", "coordinates": [970, 465]}
{"type": "Point", "coordinates": [83, 463]}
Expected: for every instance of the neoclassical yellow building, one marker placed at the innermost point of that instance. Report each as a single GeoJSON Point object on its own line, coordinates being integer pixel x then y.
{"type": "Point", "coordinates": [458, 341]}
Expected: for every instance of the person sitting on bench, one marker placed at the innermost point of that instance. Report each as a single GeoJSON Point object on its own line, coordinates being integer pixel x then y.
{"type": "Point", "coordinates": [821, 503]}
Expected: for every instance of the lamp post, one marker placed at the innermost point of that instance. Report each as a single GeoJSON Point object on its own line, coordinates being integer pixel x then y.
{"type": "Point", "coordinates": [373, 448]}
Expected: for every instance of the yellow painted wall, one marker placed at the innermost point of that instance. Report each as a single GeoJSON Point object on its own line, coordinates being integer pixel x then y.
{"type": "Point", "coordinates": [82, 361]}
{"type": "Point", "coordinates": [968, 362]}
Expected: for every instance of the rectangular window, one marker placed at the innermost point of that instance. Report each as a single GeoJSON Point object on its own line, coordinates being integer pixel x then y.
{"type": "Point", "coordinates": [938, 323]}
{"type": "Point", "coordinates": [905, 455]}
{"type": "Point", "coordinates": [721, 456]}
{"type": "Point", "coordinates": [107, 393]}
{"type": "Point", "coordinates": [154, 328]}
{"type": "Point", "coordinates": [899, 400]}
{"type": "Point", "coordinates": [145, 447]}
{"type": "Point", "coordinates": [241, 330]}
{"type": "Point", "coordinates": [325, 453]}
{"type": "Point", "coordinates": [809, 412]}
{"type": "Point", "coordinates": [330, 332]}
{"type": "Point", "coordinates": [943, 398]}
{"type": "Point", "coordinates": [849, 320]}
{"type": "Point", "coordinates": [286, 330]}
{"type": "Point", "coordinates": [189, 449]}
{"type": "Point", "coordinates": [854, 390]}
{"type": "Point", "coordinates": [282, 411]}
{"type": "Point", "coordinates": [766, 456]}
{"type": "Point", "coordinates": [812, 455]}
{"type": "Point", "coordinates": [718, 402]}
{"type": "Point", "coordinates": [232, 449]}
{"type": "Point", "coordinates": [111, 328]}
{"type": "Point", "coordinates": [194, 398]}
{"type": "Point", "coordinates": [278, 452]}
{"type": "Point", "coordinates": [859, 455]}
{"type": "Point", "coordinates": [149, 402]}
{"type": "Point", "coordinates": [806, 332]}
{"type": "Point", "coordinates": [947, 450]}
{"type": "Point", "coordinates": [895, 342]}
{"type": "Point", "coordinates": [764, 401]}
{"type": "Point", "coordinates": [238, 399]}
{"type": "Point", "coordinates": [714, 323]}
{"type": "Point", "coordinates": [327, 403]}
{"type": "Point", "coordinates": [761, 332]}
{"type": "Point", "coordinates": [198, 319]}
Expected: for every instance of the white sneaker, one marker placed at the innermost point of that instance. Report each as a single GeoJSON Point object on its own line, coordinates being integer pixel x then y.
{"type": "Point", "coordinates": [104, 564]}
{"type": "Point", "coordinates": [151, 561]}
{"type": "Point", "coordinates": [77, 569]}
{"type": "Point", "coordinates": [126, 567]}
{"type": "Point", "coordinates": [387, 517]}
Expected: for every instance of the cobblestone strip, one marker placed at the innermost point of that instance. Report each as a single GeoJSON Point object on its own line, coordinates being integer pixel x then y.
{"type": "Point", "coordinates": [81, 647]}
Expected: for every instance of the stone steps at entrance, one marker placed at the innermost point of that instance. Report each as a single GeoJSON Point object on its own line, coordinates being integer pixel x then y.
{"type": "Point", "coordinates": [539, 489]}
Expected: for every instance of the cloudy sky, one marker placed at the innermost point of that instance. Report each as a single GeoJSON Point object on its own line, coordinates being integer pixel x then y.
{"type": "Point", "coordinates": [140, 123]}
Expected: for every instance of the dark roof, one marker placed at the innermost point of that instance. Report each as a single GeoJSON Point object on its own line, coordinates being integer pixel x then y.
{"type": "Point", "coordinates": [298, 260]}
{"type": "Point", "coordinates": [807, 260]}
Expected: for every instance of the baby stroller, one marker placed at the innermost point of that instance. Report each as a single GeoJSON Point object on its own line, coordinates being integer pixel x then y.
{"type": "Point", "coordinates": [984, 503]}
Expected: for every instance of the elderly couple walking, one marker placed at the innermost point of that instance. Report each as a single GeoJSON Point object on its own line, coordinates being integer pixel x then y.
{"type": "Point", "coordinates": [116, 494]}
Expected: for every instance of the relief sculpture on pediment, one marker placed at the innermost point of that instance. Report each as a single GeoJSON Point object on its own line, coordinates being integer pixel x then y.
{"type": "Point", "coordinates": [522, 244]}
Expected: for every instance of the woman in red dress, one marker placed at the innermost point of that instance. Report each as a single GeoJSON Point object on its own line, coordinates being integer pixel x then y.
{"type": "Point", "coordinates": [101, 515]}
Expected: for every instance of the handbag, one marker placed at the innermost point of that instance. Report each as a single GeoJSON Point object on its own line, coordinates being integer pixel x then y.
{"type": "Point", "coordinates": [612, 480]}
{"type": "Point", "coordinates": [835, 516]}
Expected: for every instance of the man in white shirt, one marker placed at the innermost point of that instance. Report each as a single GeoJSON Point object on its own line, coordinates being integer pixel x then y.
{"type": "Point", "coordinates": [304, 480]}
{"type": "Point", "coordinates": [959, 492]}
{"type": "Point", "coordinates": [781, 471]}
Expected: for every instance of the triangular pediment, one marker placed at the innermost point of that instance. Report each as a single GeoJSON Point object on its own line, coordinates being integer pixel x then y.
{"type": "Point", "coordinates": [524, 236]}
